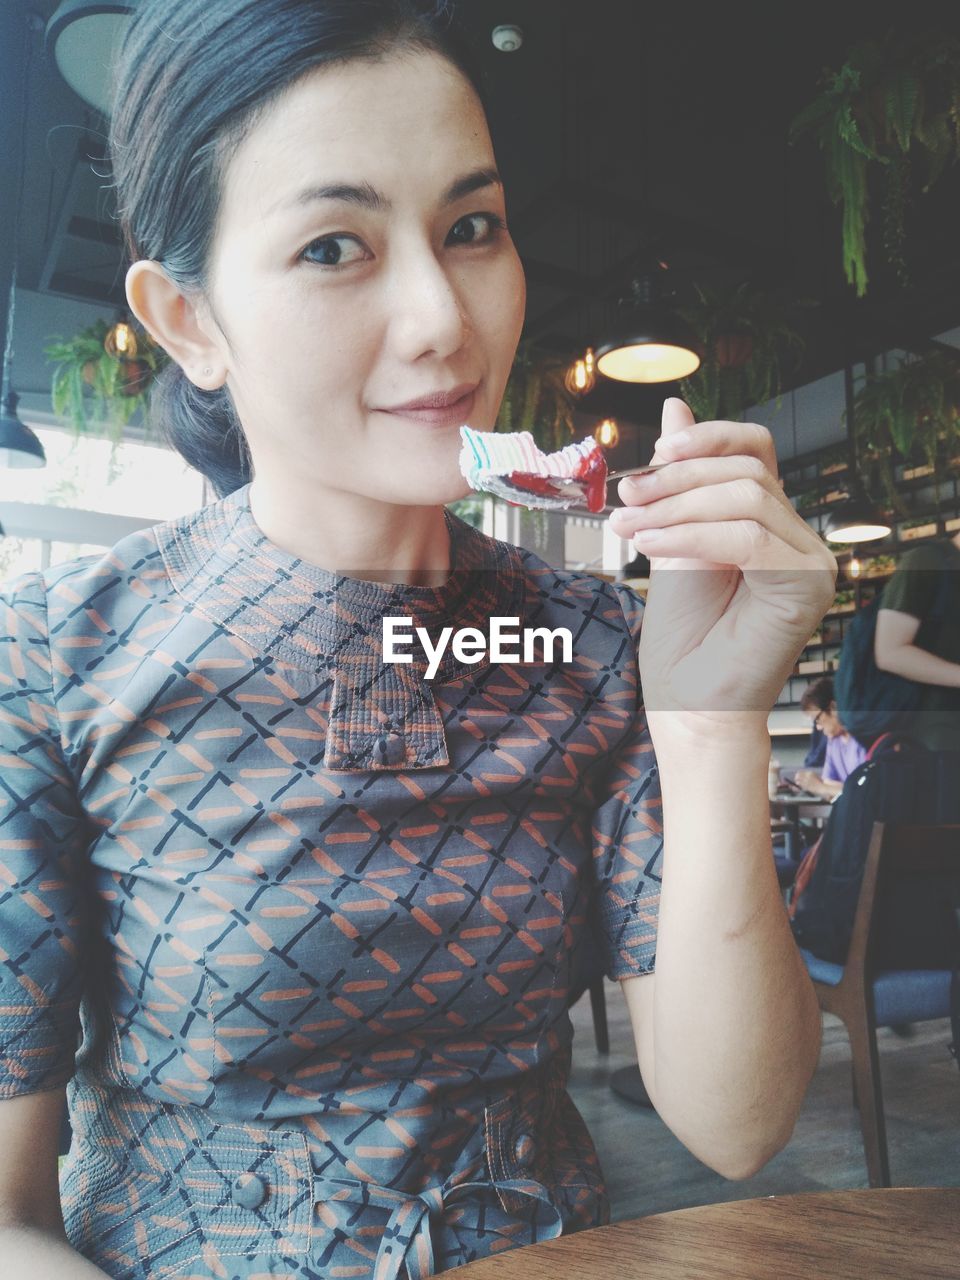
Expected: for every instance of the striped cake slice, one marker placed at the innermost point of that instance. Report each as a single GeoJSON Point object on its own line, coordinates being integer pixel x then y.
{"type": "Point", "coordinates": [510, 465]}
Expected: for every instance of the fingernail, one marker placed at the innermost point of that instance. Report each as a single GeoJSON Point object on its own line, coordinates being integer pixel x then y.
{"type": "Point", "coordinates": [639, 483]}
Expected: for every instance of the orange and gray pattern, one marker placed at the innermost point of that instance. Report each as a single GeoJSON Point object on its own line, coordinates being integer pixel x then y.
{"type": "Point", "coordinates": [298, 927]}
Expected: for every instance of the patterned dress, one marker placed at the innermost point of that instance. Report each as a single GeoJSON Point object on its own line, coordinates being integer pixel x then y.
{"type": "Point", "coordinates": [297, 927]}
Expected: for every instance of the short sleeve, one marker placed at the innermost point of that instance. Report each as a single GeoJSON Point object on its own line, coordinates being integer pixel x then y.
{"type": "Point", "coordinates": [43, 835]}
{"type": "Point", "coordinates": [830, 771]}
{"type": "Point", "coordinates": [627, 830]}
{"type": "Point", "coordinates": [915, 584]}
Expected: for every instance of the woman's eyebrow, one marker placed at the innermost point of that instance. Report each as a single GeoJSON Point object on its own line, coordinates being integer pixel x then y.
{"type": "Point", "coordinates": [367, 197]}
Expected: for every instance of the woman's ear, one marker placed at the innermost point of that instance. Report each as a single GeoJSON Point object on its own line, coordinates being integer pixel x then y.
{"type": "Point", "coordinates": [177, 321]}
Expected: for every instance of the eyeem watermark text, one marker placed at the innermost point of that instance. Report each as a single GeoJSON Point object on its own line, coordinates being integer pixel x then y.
{"type": "Point", "coordinates": [469, 644]}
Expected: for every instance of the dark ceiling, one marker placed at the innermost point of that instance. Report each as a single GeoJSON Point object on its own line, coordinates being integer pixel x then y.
{"type": "Point", "coordinates": [626, 132]}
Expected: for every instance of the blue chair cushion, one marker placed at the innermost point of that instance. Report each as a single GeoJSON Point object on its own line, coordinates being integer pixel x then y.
{"type": "Point", "coordinates": [899, 995]}
{"type": "Point", "coordinates": [822, 970]}
{"type": "Point", "coordinates": [911, 995]}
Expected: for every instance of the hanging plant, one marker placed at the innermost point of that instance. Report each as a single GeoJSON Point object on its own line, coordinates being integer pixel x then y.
{"type": "Point", "coordinates": [744, 340]}
{"type": "Point", "coordinates": [891, 110]}
{"type": "Point", "coordinates": [536, 399]}
{"type": "Point", "coordinates": [91, 388]}
{"type": "Point", "coordinates": [906, 415]}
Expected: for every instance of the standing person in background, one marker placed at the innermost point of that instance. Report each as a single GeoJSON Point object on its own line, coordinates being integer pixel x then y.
{"type": "Point", "coordinates": [843, 752]}
{"type": "Point", "coordinates": [918, 638]}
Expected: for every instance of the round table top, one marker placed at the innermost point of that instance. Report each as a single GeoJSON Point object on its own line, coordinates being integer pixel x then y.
{"type": "Point", "coordinates": [893, 1234]}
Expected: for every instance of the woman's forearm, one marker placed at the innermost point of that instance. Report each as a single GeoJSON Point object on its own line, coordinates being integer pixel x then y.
{"type": "Point", "coordinates": [30, 1251]}
{"type": "Point", "coordinates": [913, 663]}
{"type": "Point", "coordinates": [735, 1018]}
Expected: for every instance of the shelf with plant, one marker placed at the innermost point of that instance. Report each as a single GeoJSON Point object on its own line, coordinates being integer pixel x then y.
{"type": "Point", "coordinates": [908, 417]}
{"type": "Point", "coordinates": [913, 530]}
{"type": "Point", "coordinates": [746, 341]}
{"type": "Point", "coordinates": [886, 121]}
{"type": "Point", "coordinates": [845, 601]}
{"type": "Point", "coordinates": [834, 460]}
{"type": "Point", "coordinates": [91, 388]}
{"type": "Point", "coordinates": [876, 566]}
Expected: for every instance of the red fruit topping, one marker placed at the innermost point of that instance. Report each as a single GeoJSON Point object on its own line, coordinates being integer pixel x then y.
{"type": "Point", "coordinates": [591, 472]}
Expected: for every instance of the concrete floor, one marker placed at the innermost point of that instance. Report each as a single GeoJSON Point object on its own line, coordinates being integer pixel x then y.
{"type": "Point", "coordinates": [649, 1171]}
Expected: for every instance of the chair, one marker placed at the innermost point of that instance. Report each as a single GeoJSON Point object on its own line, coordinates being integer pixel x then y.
{"type": "Point", "coordinates": [865, 998]}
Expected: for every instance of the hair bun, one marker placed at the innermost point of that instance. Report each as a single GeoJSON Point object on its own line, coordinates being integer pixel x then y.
{"type": "Point", "coordinates": [203, 427]}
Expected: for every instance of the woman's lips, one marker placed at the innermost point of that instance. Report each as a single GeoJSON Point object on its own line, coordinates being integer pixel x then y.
{"type": "Point", "coordinates": [452, 416]}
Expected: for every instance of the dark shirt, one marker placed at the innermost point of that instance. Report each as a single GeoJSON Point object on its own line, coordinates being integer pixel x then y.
{"type": "Point", "coordinates": [817, 749]}
{"type": "Point", "coordinates": [926, 585]}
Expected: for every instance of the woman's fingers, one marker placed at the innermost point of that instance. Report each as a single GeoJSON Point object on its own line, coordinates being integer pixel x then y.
{"type": "Point", "coordinates": [745, 543]}
{"type": "Point", "coordinates": [741, 499]}
{"type": "Point", "coordinates": [703, 489]}
{"type": "Point", "coordinates": [716, 439]}
{"type": "Point", "coordinates": [694, 473]}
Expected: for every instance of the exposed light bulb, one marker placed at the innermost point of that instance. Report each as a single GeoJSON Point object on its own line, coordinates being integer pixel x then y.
{"type": "Point", "coordinates": [607, 434]}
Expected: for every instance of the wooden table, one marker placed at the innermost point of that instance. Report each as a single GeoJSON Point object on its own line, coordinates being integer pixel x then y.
{"type": "Point", "coordinates": [896, 1234]}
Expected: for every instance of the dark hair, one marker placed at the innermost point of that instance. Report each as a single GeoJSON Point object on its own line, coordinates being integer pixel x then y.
{"type": "Point", "coordinates": [191, 81]}
{"type": "Point", "coordinates": [819, 694]}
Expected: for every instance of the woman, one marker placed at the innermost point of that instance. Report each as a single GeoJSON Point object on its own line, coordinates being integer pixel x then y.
{"type": "Point", "coordinates": [324, 914]}
{"type": "Point", "coordinates": [844, 752]}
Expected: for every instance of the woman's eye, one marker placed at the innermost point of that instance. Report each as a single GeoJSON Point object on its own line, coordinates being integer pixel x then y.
{"type": "Point", "coordinates": [329, 255]}
{"type": "Point", "coordinates": [493, 221]}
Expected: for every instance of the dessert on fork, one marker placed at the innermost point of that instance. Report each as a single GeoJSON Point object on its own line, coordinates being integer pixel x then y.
{"type": "Point", "coordinates": [511, 465]}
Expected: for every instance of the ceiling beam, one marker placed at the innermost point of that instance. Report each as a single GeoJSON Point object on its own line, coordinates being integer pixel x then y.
{"type": "Point", "coordinates": [72, 286]}
{"type": "Point", "coordinates": [90, 229]}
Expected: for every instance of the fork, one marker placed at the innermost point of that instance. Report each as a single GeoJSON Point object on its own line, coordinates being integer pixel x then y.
{"type": "Point", "coordinates": [574, 489]}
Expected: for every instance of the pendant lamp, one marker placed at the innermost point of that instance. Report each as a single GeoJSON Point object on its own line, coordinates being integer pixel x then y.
{"type": "Point", "coordinates": [83, 34]}
{"type": "Point", "coordinates": [856, 519]}
{"type": "Point", "coordinates": [650, 343]}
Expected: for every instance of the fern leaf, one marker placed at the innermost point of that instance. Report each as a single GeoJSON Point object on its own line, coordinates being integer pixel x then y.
{"type": "Point", "coordinates": [901, 104]}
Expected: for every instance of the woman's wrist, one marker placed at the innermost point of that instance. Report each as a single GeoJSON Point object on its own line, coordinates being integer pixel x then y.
{"type": "Point", "coordinates": [731, 739]}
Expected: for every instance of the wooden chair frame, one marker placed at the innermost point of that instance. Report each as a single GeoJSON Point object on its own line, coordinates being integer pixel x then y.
{"type": "Point", "coordinates": [894, 849]}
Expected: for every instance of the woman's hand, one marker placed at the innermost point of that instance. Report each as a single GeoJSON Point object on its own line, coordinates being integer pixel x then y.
{"type": "Point", "coordinates": [808, 778]}
{"type": "Point", "coordinates": [739, 581]}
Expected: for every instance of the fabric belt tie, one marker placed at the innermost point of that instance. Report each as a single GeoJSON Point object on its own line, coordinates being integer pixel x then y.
{"type": "Point", "coordinates": [407, 1239]}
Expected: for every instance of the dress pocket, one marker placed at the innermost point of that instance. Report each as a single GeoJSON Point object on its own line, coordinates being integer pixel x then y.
{"type": "Point", "coordinates": [132, 1223]}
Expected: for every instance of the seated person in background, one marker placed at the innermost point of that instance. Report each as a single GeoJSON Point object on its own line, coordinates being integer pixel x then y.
{"type": "Point", "coordinates": [843, 753]}
{"type": "Point", "coordinates": [816, 749]}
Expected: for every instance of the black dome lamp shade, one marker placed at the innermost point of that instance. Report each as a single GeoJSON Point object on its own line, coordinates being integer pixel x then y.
{"type": "Point", "coordinates": [19, 447]}
{"type": "Point", "coordinates": [650, 343]}
{"type": "Point", "coordinates": [83, 35]}
{"type": "Point", "coordinates": [855, 520]}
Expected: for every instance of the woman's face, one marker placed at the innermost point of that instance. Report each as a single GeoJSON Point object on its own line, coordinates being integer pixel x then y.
{"type": "Point", "coordinates": [828, 721]}
{"type": "Point", "coordinates": [333, 310]}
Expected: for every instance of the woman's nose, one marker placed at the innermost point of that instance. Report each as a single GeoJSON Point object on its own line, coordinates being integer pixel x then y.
{"type": "Point", "coordinates": [427, 312]}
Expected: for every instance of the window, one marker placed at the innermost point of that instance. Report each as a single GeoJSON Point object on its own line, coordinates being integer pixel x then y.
{"type": "Point", "coordinates": [89, 496]}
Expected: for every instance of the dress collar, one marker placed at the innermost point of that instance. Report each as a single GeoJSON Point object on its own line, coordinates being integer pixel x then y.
{"type": "Point", "coordinates": [289, 610]}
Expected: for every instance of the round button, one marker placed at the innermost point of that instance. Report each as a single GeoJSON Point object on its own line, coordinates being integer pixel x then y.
{"type": "Point", "coordinates": [389, 749]}
{"type": "Point", "coordinates": [525, 1150]}
{"type": "Point", "coordinates": [249, 1191]}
